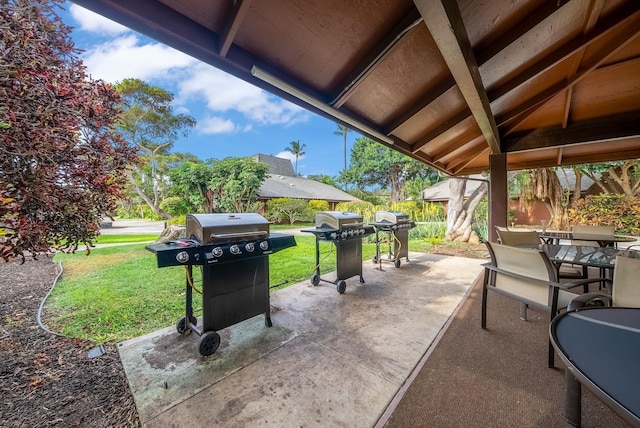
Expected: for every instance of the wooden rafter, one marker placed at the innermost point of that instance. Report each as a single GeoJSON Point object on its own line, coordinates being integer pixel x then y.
{"type": "Point", "coordinates": [383, 49]}
{"type": "Point", "coordinates": [530, 106]}
{"type": "Point", "coordinates": [233, 24]}
{"type": "Point", "coordinates": [441, 17]}
{"type": "Point", "coordinates": [622, 17]}
{"type": "Point", "coordinates": [625, 125]}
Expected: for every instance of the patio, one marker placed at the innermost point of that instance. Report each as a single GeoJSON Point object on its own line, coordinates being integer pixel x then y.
{"type": "Point", "coordinates": [404, 349]}
{"type": "Point", "coordinates": [328, 360]}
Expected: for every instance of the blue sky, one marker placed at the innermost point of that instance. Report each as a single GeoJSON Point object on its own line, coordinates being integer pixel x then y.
{"type": "Point", "coordinates": [234, 118]}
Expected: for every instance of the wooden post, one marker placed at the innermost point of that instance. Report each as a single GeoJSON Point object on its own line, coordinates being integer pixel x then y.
{"type": "Point", "coordinates": [498, 195]}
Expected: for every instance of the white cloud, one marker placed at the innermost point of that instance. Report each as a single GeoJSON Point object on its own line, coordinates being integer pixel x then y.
{"type": "Point", "coordinates": [216, 125]}
{"type": "Point", "coordinates": [223, 92]}
{"type": "Point", "coordinates": [125, 57]}
{"type": "Point", "coordinates": [290, 156]}
{"type": "Point", "coordinates": [133, 56]}
{"type": "Point", "coordinates": [94, 23]}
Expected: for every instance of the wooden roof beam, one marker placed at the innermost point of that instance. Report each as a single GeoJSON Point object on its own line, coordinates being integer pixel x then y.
{"type": "Point", "coordinates": [445, 24]}
{"type": "Point", "coordinates": [541, 13]}
{"type": "Point", "coordinates": [520, 113]}
{"type": "Point", "coordinates": [626, 14]}
{"type": "Point", "coordinates": [383, 49]}
{"type": "Point", "coordinates": [442, 128]}
{"type": "Point", "coordinates": [436, 92]}
{"type": "Point", "coordinates": [626, 125]}
{"type": "Point", "coordinates": [460, 167]}
{"type": "Point", "coordinates": [240, 9]}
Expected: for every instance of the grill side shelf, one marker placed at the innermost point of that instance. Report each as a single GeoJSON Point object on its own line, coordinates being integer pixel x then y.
{"type": "Point", "coordinates": [177, 254]}
{"type": "Point", "coordinates": [337, 235]}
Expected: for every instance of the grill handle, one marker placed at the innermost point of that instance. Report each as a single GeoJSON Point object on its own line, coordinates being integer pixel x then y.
{"type": "Point", "coordinates": [357, 224]}
{"type": "Point", "coordinates": [239, 235]}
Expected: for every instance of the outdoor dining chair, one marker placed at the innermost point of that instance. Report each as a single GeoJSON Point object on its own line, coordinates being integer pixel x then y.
{"type": "Point", "coordinates": [624, 288]}
{"type": "Point", "coordinates": [586, 235]}
{"type": "Point", "coordinates": [528, 276]}
{"type": "Point", "coordinates": [530, 238]}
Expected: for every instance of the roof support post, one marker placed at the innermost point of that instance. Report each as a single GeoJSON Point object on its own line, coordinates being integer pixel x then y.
{"type": "Point", "coordinates": [498, 195]}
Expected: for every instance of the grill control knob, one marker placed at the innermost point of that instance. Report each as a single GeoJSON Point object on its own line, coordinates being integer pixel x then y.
{"type": "Point", "coordinates": [217, 252]}
{"type": "Point", "coordinates": [334, 235]}
{"type": "Point", "coordinates": [264, 245]}
{"type": "Point", "coordinates": [234, 249]}
{"type": "Point", "coordinates": [250, 247]}
{"type": "Point", "coordinates": [182, 257]}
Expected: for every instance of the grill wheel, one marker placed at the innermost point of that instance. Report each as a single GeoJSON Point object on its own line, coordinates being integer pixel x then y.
{"type": "Point", "coordinates": [181, 325]}
{"type": "Point", "coordinates": [208, 343]}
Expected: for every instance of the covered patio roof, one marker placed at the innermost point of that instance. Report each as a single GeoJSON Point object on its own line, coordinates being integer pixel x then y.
{"type": "Point", "coordinates": [547, 83]}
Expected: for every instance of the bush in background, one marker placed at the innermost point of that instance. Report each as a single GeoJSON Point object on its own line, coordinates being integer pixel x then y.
{"type": "Point", "coordinates": [140, 211]}
{"type": "Point", "coordinates": [316, 205]}
{"type": "Point", "coordinates": [180, 220]}
{"type": "Point", "coordinates": [621, 211]}
{"type": "Point", "coordinates": [175, 205]}
{"type": "Point", "coordinates": [288, 211]}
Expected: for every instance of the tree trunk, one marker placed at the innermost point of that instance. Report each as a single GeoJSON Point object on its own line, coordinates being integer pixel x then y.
{"type": "Point", "coordinates": [154, 207]}
{"type": "Point", "coordinates": [546, 187]}
{"type": "Point", "coordinates": [460, 212]}
{"type": "Point", "coordinates": [396, 184]}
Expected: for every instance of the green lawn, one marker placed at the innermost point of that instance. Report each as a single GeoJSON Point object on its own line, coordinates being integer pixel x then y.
{"type": "Point", "coordinates": [117, 293]}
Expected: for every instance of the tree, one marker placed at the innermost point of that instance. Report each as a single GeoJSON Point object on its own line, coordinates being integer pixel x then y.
{"type": "Point", "coordinates": [543, 184]}
{"type": "Point", "coordinates": [373, 164]}
{"type": "Point", "coordinates": [615, 177]}
{"type": "Point", "coordinates": [190, 180]}
{"type": "Point", "coordinates": [297, 149]}
{"type": "Point", "coordinates": [460, 210]}
{"type": "Point", "coordinates": [322, 178]}
{"type": "Point", "coordinates": [235, 183]}
{"type": "Point", "coordinates": [150, 124]}
{"type": "Point", "coordinates": [61, 163]}
{"type": "Point", "coordinates": [342, 130]}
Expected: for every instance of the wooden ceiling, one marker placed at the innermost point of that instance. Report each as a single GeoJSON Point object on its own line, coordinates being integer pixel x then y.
{"type": "Point", "coordinates": [447, 82]}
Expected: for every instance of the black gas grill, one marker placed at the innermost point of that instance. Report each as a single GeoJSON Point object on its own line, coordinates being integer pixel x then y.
{"type": "Point", "coordinates": [232, 252]}
{"type": "Point", "coordinates": [392, 227]}
{"type": "Point", "coordinates": [345, 230]}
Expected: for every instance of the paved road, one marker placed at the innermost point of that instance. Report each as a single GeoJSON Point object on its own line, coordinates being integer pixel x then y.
{"type": "Point", "coordinates": [133, 227]}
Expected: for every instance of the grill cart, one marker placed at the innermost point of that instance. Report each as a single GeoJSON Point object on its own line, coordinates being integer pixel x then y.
{"type": "Point", "coordinates": [231, 250]}
{"type": "Point", "coordinates": [345, 230]}
{"type": "Point", "coordinates": [394, 227]}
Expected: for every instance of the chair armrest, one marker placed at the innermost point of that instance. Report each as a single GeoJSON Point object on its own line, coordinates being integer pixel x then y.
{"type": "Point", "coordinates": [491, 267]}
{"type": "Point", "coordinates": [589, 299]}
{"type": "Point", "coordinates": [571, 284]}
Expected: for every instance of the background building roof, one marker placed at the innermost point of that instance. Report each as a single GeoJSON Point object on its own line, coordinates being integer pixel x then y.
{"type": "Point", "coordinates": [284, 186]}
{"type": "Point", "coordinates": [277, 165]}
{"type": "Point", "coordinates": [283, 183]}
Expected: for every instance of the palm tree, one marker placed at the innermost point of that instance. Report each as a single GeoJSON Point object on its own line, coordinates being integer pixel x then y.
{"type": "Point", "coordinates": [342, 130]}
{"type": "Point", "coordinates": [297, 149]}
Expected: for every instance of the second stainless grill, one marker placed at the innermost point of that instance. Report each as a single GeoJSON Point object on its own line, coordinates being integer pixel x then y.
{"type": "Point", "coordinates": [392, 227]}
{"type": "Point", "coordinates": [345, 230]}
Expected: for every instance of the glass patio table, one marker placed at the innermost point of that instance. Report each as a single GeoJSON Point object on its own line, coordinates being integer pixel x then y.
{"type": "Point", "coordinates": [584, 255]}
{"type": "Point", "coordinates": [553, 238]}
{"type": "Point", "coordinates": [603, 258]}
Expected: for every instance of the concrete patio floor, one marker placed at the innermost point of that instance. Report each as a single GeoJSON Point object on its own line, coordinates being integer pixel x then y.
{"type": "Point", "coordinates": [329, 360]}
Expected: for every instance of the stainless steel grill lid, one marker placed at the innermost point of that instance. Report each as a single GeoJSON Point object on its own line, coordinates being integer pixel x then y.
{"type": "Point", "coordinates": [219, 228]}
{"type": "Point", "coordinates": [393, 217]}
{"type": "Point", "coordinates": [338, 220]}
